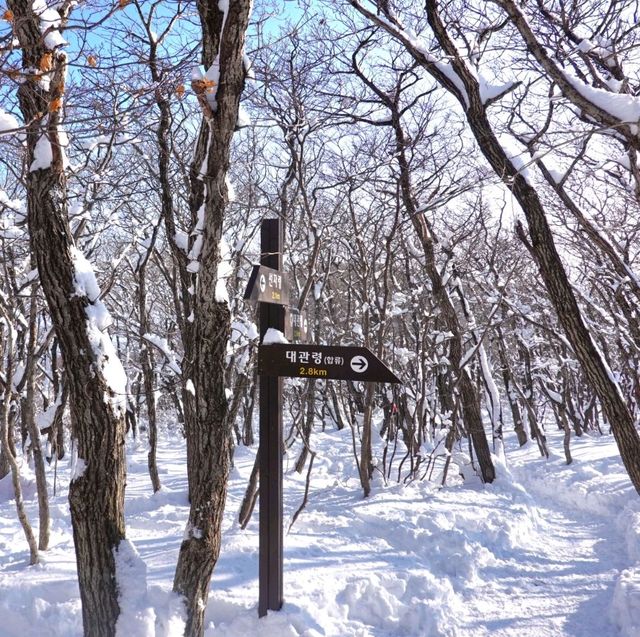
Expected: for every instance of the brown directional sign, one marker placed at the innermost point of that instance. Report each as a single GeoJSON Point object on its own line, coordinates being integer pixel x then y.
{"type": "Point", "coordinates": [324, 362]}
{"type": "Point", "coordinates": [267, 286]}
{"type": "Point", "coordinates": [296, 325]}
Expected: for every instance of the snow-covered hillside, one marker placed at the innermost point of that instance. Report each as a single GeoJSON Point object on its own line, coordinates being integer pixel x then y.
{"type": "Point", "coordinates": [547, 550]}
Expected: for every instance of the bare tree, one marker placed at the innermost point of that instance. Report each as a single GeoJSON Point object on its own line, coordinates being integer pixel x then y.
{"type": "Point", "coordinates": [94, 373]}
{"type": "Point", "coordinates": [460, 79]}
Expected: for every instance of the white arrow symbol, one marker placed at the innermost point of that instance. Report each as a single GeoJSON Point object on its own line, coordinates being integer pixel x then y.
{"type": "Point", "coordinates": [359, 364]}
{"type": "Point", "coordinates": [263, 283]}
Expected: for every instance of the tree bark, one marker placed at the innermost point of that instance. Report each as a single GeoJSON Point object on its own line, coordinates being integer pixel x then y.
{"type": "Point", "coordinates": [207, 427]}
{"type": "Point", "coordinates": [96, 494]}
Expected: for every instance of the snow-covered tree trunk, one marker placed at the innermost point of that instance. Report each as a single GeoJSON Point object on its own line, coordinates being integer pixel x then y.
{"type": "Point", "coordinates": [93, 371]}
{"type": "Point", "coordinates": [207, 427]}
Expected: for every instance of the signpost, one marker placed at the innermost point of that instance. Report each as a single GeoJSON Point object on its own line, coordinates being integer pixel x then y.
{"type": "Point", "coordinates": [271, 315]}
{"type": "Point", "coordinates": [269, 286]}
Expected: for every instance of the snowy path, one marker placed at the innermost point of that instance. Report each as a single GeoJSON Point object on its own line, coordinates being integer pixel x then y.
{"type": "Point", "coordinates": [546, 551]}
{"type": "Point", "coordinates": [525, 557]}
{"type": "Point", "coordinates": [562, 584]}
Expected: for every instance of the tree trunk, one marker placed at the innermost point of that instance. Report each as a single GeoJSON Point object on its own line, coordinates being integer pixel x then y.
{"type": "Point", "coordinates": [28, 416]}
{"type": "Point", "coordinates": [61, 393]}
{"type": "Point", "coordinates": [148, 377]}
{"type": "Point", "coordinates": [366, 451]}
{"type": "Point", "coordinates": [93, 371]}
{"type": "Point", "coordinates": [207, 427]}
{"type": "Point", "coordinates": [307, 424]}
{"type": "Point", "coordinates": [247, 421]}
{"type": "Point", "coordinates": [5, 466]}
{"type": "Point", "coordinates": [10, 447]}
{"type": "Point", "coordinates": [250, 494]}
{"type": "Point", "coordinates": [516, 414]}
{"type": "Point", "coordinates": [5, 407]}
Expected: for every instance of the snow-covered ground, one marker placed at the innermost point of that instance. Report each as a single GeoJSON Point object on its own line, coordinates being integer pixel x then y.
{"type": "Point", "coordinates": [547, 550]}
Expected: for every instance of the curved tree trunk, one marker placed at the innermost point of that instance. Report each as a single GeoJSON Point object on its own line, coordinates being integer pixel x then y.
{"type": "Point", "coordinates": [94, 373]}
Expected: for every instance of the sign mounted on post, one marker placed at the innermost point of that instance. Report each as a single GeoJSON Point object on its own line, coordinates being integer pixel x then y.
{"type": "Point", "coordinates": [270, 287]}
{"type": "Point", "coordinates": [296, 325]}
{"type": "Point", "coordinates": [324, 362]}
{"type": "Point", "coordinates": [267, 285]}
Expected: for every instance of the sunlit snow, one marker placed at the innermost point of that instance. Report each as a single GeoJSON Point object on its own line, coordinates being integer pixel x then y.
{"type": "Point", "coordinates": [547, 550]}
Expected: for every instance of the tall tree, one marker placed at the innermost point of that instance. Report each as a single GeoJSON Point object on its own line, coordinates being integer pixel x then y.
{"type": "Point", "coordinates": [93, 371]}
{"type": "Point", "coordinates": [207, 428]}
{"type": "Point", "coordinates": [397, 106]}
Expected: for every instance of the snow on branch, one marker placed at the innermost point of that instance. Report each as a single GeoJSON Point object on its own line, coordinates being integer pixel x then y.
{"type": "Point", "coordinates": [51, 23]}
{"type": "Point", "coordinates": [614, 110]}
{"type": "Point", "coordinates": [171, 357]}
{"type": "Point", "coordinates": [442, 71]}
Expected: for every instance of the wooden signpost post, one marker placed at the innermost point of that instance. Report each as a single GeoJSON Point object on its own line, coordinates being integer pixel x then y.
{"type": "Point", "coordinates": [269, 286]}
{"type": "Point", "coordinates": [271, 315]}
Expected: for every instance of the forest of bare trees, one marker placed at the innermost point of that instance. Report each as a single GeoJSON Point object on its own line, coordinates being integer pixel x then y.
{"type": "Point", "coordinates": [459, 185]}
